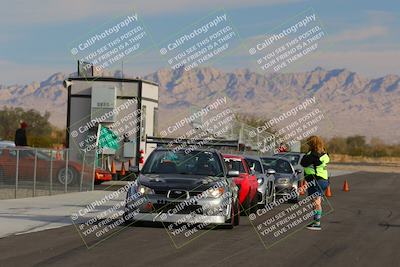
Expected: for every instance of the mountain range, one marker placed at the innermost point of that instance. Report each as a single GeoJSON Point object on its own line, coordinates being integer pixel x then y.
{"type": "Point", "coordinates": [351, 103]}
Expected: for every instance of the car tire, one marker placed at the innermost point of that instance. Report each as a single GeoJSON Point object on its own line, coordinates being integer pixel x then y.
{"type": "Point", "coordinates": [237, 214]}
{"type": "Point", "coordinates": [294, 200]}
{"type": "Point", "coordinates": [245, 206]}
{"type": "Point", "coordinates": [127, 222]}
{"type": "Point", "coordinates": [72, 176]}
{"type": "Point", "coordinates": [272, 196]}
{"type": "Point", "coordinates": [253, 205]}
{"type": "Point", "coordinates": [264, 200]}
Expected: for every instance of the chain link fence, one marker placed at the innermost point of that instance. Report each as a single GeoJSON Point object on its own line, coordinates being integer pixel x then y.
{"type": "Point", "coordinates": [31, 172]}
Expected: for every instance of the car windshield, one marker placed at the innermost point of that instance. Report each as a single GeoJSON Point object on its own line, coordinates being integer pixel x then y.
{"type": "Point", "coordinates": [294, 159]}
{"type": "Point", "coordinates": [181, 162]}
{"type": "Point", "coordinates": [234, 165]}
{"type": "Point", "coordinates": [279, 165]}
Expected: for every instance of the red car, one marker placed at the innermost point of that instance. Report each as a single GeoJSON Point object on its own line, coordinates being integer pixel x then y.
{"type": "Point", "coordinates": [102, 175]}
{"type": "Point", "coordinates": [26, 168]}
{"type": "Point", "coordinates": [246, 181]}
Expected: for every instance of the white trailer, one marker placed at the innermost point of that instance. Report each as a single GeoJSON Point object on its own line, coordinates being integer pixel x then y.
{"type": "Point", "coordinates": [128, 107]}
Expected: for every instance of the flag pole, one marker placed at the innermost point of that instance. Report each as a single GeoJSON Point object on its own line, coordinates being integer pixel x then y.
{"type": "Point", "coordinates": [98, 134]}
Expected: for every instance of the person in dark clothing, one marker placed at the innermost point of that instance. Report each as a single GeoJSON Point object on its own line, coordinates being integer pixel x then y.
{"type": "Point", "coordinates": [20, 135]}
{"type": "Point", "coordinates": [316, 174]}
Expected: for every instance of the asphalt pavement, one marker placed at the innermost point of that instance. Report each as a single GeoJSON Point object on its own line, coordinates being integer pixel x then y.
{"type": "Point", "coordinates": [361, 229]}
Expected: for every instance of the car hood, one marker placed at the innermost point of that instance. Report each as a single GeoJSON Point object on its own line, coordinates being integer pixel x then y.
{"type": "Point", "coordinates": [178, 181]}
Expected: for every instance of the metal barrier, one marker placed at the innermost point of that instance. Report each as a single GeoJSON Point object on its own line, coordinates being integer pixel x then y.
{"type": "Point", "coordinates": [30, 172]}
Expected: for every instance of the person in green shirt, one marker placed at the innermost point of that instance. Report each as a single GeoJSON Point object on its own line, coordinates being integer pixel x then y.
{"type": "Point", "coordinates": [316, 174]}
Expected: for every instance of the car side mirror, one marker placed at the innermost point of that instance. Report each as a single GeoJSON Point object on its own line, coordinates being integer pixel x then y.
{"type": "Point", "coordinates": [271, 171]}
{"type": "Point", "coordinates": [233, 173]}
{"type": "Point", "coordinates": [298, 171]}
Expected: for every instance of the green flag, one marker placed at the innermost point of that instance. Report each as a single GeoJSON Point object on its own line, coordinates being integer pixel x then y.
{"type": "Point", "coordinates": [107, 139]}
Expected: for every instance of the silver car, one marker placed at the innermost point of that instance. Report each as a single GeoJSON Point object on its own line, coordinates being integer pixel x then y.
{"type": "Point", "coordinates": [265, 179]}
{"type": "Point", "coordinates": [295, 159]}
{"type": "Point", "coordinates": [286, 177]}
{"type": "Point", "coordinates": [185, 187]}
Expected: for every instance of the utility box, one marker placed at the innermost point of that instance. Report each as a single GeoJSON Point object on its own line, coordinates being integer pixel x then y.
{"type": "Point", "coordinates": [126, 108]}
{"type": "Point", "coordinates": [129, 149]}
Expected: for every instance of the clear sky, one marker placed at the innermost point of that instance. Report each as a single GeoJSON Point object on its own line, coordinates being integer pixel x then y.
{"type": "Point", "coordinates": [35, 35]}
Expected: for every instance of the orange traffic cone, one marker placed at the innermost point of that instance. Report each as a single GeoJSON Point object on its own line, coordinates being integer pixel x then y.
{"type": "Point", "coordinates": [113, 170]}
{"type": "Point", "coordinates": [346, 186]}
{"type": "Point", "coordinates": [122, 173]}
{"type": "Point", "coordinates": [328, 192]}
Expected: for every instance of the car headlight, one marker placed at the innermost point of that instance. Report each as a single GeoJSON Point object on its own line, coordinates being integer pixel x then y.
{"type": "Point", "coordinates": [144, 190]}
{"type": "Point", "coordinates": [283, 180]}
{"type": "Point", "coordinates": [216, 192]}
{"type": "Point", "coordinates": [260, 181]}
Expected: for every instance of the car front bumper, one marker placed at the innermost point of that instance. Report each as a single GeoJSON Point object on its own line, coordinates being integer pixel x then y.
{"type": "Point", "coordinates": [156, 208]}
{"type": "Point", "coordinates": [284, 189]}
{"type": "Point", "coordinates": [178, 218]}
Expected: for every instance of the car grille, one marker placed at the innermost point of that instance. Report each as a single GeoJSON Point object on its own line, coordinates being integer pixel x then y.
{"type": "Point", "coordinates": [177, 194]}
{"type": "Point", "coordinates": [184, 209]}
{"type": "Point", "coordinates": [165, 192]}
{"type": "Point", "coordinates": [284, 191]}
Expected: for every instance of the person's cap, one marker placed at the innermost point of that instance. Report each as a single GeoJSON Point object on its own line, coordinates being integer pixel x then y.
{"type": "Point", "coordinates": [24, 125]}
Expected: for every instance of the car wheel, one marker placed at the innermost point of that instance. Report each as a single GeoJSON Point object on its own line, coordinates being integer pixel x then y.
{"type": "Point", "coordinates": [253, 205]}
{"type": "Point", "coordinates": [264, 199]}
{"type": "Point", "coordinates": [237, 214]}
{"type": "Point", "coordinates": [69, 176]}
{"type": "Point", "coordinates": [272, 196]}
{"type": "Point", "coordinates": [294, 200]}
{"type": "Point", "coordinates": [246, 205]}
{"type": "Point", "coordinates": [267, 197]}
{"type": "Point", "coordinates": [127, 220]}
